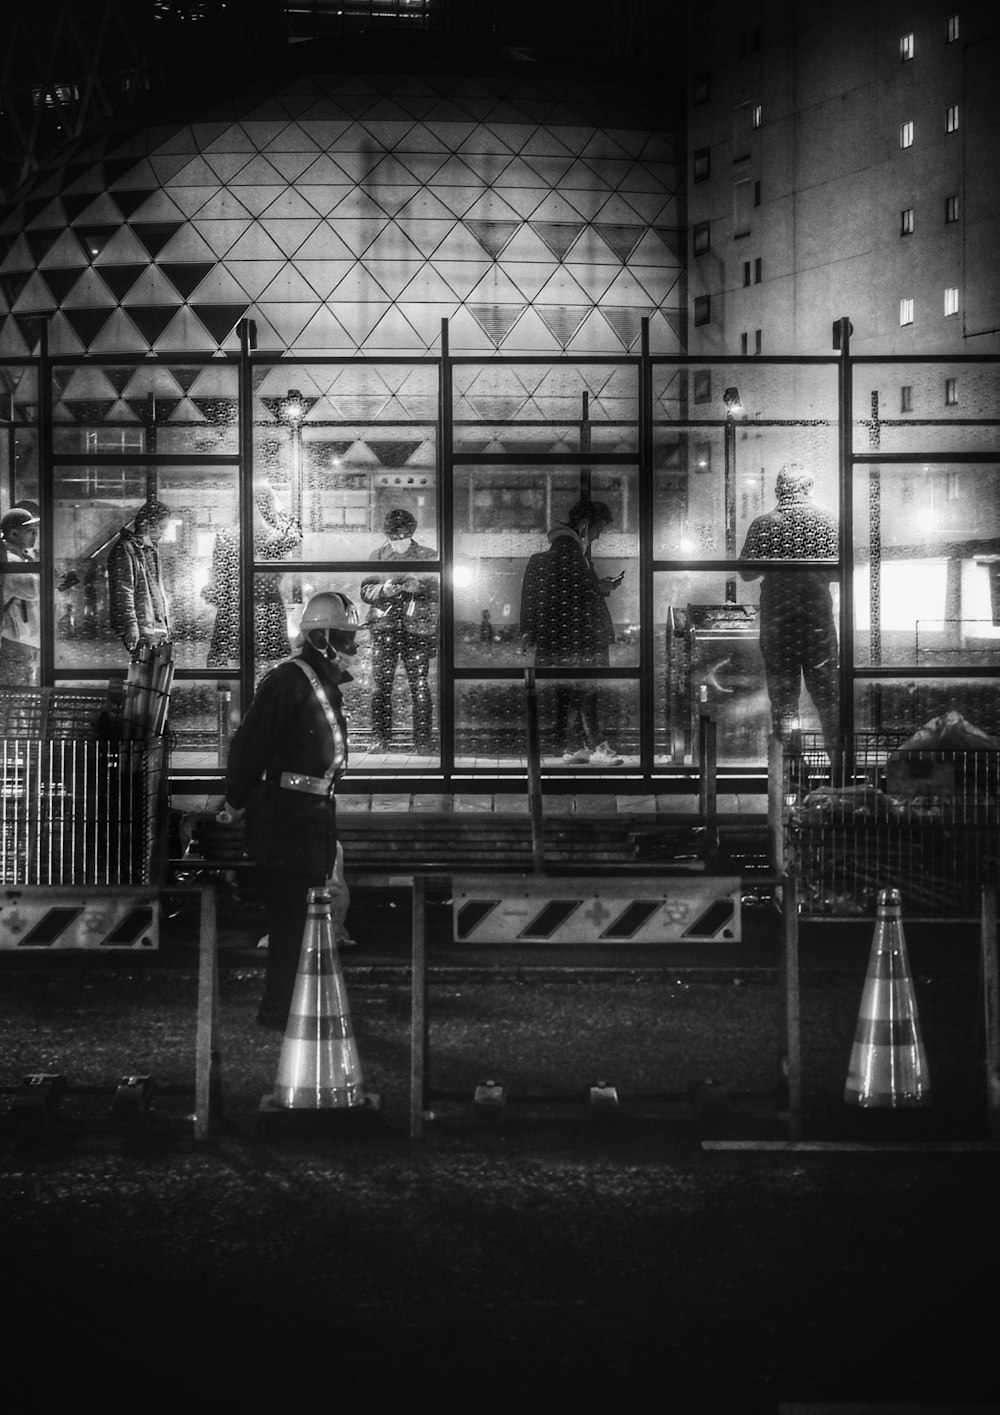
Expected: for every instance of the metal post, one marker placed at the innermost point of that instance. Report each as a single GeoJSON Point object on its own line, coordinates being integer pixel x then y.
{"type": "Point", "coordinates": [208, 1059]}
{"type": "Point", "coordinates": [418, 1010]}
{"type": "Point", "coordinates": [729, 490]}
{"type": "Point", "coordinates": [534, 774]}
{"type": "Point", "coordinates": [991, 1000]}
{"type": "Point", "coordinates": [707, 766]}
{"type": "Point", "coordinates": [248, 341]}
{"type": "Point", "coordinates": [792, 1057]}
{"type": "Point", "coordinates": [776, 800]}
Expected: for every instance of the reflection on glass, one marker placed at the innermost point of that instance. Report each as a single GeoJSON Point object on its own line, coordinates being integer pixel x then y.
{"type": "Point", "coordinates": [202, 719]}
{"type": "Point", "coordinates": [547, 408]}
{"type": "Point", "coordinates": [901, 705]}
{"type": "Point", "coordinates": [490, 721]}
{"type": "Point", "coordinates": [927, 565]}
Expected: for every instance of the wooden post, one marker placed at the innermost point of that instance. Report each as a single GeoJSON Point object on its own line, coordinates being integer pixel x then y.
{"type": "Point", "coordinates": [418, 1010]}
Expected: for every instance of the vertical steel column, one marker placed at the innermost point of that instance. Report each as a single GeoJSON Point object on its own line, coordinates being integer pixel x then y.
{"type": "Point", "coordinates": [248, 342]}
{"type": "Point", "coordinates": [534, 774]}
{"type": "Point", "coordinates": [418, 1010]}
{"type": "Point", "coordinates": [845, 407]}
{"type": "Point", "coordinates": [208, 1057]}
{"type": "Point", "coordinates": [792, 1058]}
{"type": "Point", "coordinates": [446, 540]}
{"type": "Point", "coordinates": [645, 503]}
{"type": "Point", "coordinates": [46, 501]}
{"type": "Point", "coordinates": [990, 984]}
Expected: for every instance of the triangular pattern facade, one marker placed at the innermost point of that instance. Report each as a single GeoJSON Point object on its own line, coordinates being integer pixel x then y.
{"type": "Point", "coordinates": [348, 214]}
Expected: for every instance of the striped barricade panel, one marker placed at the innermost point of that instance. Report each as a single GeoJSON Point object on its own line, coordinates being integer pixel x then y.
{"type": "Point", "coordinates": [56, 917]}
{"type": "Point", "coordinates": [519, 910]}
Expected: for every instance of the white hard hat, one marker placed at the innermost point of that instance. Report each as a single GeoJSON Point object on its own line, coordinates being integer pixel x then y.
{"type": "Point", "coordinates": [330, 609]}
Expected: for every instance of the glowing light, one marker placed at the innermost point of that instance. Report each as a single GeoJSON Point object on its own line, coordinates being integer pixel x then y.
{"type": "Point", "coordinates": [687, 545]}
{"type": "Point", "coordinates": [461, 576]}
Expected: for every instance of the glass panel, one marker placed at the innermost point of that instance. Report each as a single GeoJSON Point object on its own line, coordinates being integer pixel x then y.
{"type": "Point", "coordinates": [707, 652]}
{"type": "Point", "coordinates": [501, 518]}
{"type": "Point", "coordinates": [901, 705]}
{"type": "Point", "coordinates": [203, 718]}
{"type": "Point", "coordinates": [393, 699]}
{"type": "Point", "coordinates": [527, 409]}
{"type": "Point", "coordinates": [937, 419]}
{"type": "Point", "coordinates": [100, 585]}
{"type": "Point", "coordinates": [721, 435]}
{"type": "Point", "coordinates": [18, 434]}
{"type": "Point", "coordinates": [927, 565]}
{"type": "Point", "coordinates": [146, 408]}
{"type": "Point", "coordinates": [339, 473]}
{"type": "Point", "coordinates": [490, 720]}
{"type": "Point", "coordinates": [20, 619]}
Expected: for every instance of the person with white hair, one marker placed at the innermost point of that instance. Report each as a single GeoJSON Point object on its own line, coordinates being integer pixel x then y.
{"type": "Point", "coordinates": [798, 635]}
{"type": "Point", "coordinates": [285, 759]}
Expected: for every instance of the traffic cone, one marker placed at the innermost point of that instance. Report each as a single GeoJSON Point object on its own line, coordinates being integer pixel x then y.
{"type": "Point", "coordinates": [888, 1067]}
{"type": "Point", "coordinates": [319, 1071]}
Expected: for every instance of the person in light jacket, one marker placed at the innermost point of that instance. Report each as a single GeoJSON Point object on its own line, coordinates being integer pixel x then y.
{"type": "Point", "coordinates": [140, 607]}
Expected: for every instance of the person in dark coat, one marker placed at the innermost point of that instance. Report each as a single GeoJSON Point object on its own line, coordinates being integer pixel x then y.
{"type": "Point", "coordinates": [564, 617]}
{"type": "Point", "coordinates": [275, 535]}
{"type": "Point", "coordinates": [284, 761]}
{"type": "Point", "coordinates": [140, 606]}
{"type": "Point", "coordinates": [798, 636]}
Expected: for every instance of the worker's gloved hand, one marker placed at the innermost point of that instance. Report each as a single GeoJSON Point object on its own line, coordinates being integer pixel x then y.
{"type": "Point", "coordinates": [231, 815]}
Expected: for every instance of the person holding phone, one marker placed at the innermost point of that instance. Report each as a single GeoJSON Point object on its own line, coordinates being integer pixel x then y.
{"type": "Point", "coordinates": [565, 618]}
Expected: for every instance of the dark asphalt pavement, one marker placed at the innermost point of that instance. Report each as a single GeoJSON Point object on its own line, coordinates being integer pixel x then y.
{"type": "Point", "coordinates": [549, 1262]}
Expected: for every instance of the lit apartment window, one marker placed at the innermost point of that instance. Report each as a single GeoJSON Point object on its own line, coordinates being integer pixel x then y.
{"type": "Point", "coordinates": [950, 392]}
{"type": "Point", "coordinates": [906, 398]}
{"type": "Point", "coordinates": [906, 221]}
{"type": "Point", "coordinates": [758, 115]}
{"type": "Point", "coordinates": [951, 208]}
{"type": "Point", "coordinates": [953, 486]}
{"type": "Point", "coordinates": [702, 309]}
{"type": "Point", "coordinates": [951, 300]}
{"type": "Point", "coordinates": [758, 268]}
{"type": "Point", "coordinates": [906, 134]}
{"type": "Point", "coordinates": [702, 163]}
{"type": "Point", "coordinates": [746, 272]}
{"type": "Point", "coordinates": [702, 237]}
{"type": "Point", "coordinates": [701, 91]}
{"type": "Point", "coordinates": [951, 118]}
{"type": "Point", "coordinates": [757, 341]}
{"type": "Point", "coordinates": [703, 385]}
{"type": "Point", "coordinates": [744, 343]}
{"type": "Point", "coordinates": [951, 29]}
{"type": "Point", "coordinates": [906, 312]}
{"type": "Point", "coordinates": [906, 47]}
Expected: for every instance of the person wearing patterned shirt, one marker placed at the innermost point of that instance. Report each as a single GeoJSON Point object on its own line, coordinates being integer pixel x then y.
{"type": "Point", "coordinates": [798, 635]}
{"type": "Point", "coordinates": [284, 760]}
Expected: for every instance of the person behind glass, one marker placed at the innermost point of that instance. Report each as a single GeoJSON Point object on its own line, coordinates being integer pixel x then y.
{"type": "Point", "coordinates": [403, 619]}
{"type": "Point", "coordinates": [284, 761]}
{"type": "Point", "coordinates": [564, 616]}
{"type": "Point", "coordinates": [20, 625]}
{"type": "Point", "coordinates": [798, 635]}
{"type": "Point", "coordinates": [140, 608]}
{"type": "Point", "coordinates": [275, 534]}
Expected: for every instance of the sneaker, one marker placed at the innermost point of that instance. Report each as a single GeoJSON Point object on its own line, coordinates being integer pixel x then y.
{"type": "Point", "coordinates": [346, 942]}
{"type": "Point", "coordinates": [605, 755]}
{"type": "Point", "coordinates": [578, 758]}
{"type": "Point", "coordinates": [264, 942]}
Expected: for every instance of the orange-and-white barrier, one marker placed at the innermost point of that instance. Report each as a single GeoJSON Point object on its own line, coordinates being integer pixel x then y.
{"type": "Point", "coordinates": [888, 1067]}
{"type": "Point", "coordinates": [319, 1068]}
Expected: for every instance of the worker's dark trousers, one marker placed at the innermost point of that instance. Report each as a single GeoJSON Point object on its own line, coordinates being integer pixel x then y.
{"type": "Point", "coordinates": [286, 895]}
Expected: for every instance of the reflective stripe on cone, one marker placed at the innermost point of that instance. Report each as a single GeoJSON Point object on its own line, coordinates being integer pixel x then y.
{"type": "Point", "coordinates": [319, 1068]}
{"type": "Point", "coordinates": [888, 1068]}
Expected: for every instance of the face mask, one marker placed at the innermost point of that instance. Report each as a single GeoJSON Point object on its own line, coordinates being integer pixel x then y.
{"type": "Point", "coordinates": [401, 547]}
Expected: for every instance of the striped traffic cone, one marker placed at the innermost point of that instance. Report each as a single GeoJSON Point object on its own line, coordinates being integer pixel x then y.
{"type": "Point", "coordinates": [319, 1071]}
{"type": "Point", "coordinates": [888, 1069]}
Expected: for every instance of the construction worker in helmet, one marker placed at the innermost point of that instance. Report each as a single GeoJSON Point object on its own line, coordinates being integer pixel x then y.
{"type": "Point", "coordinates": [403, 619]}
{"type": "Point", "coordinates": [284, 761]}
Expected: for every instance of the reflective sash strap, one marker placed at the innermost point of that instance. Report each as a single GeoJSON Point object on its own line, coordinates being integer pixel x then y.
{"type": "Point", "coordinates": [339, 763]}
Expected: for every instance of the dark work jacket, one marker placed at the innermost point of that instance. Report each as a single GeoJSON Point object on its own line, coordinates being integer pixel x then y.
{"type": "Point", "coordinates": [563, 610]}
{"type": "Point", "coordinates": [285, 729]}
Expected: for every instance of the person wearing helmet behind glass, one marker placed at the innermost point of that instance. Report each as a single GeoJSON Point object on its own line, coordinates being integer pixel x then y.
{"type": "Point", "coordinates": [284, 760]}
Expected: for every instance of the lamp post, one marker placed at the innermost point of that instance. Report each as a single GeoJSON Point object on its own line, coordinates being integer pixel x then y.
{"type": "Point", "coordinates": [734, 409]}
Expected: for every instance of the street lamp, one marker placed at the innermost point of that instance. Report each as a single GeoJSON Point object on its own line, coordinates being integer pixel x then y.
{"type": "Point", "coordinates": [734, 410]}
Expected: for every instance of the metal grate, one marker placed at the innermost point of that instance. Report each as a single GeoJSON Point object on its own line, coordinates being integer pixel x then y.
{"type": "Point", "coordinates": [54, 712]}
{"type": "Point", "coordinates": [922, 822]}
{"type": "Point", "coordinates": [80, 811]}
